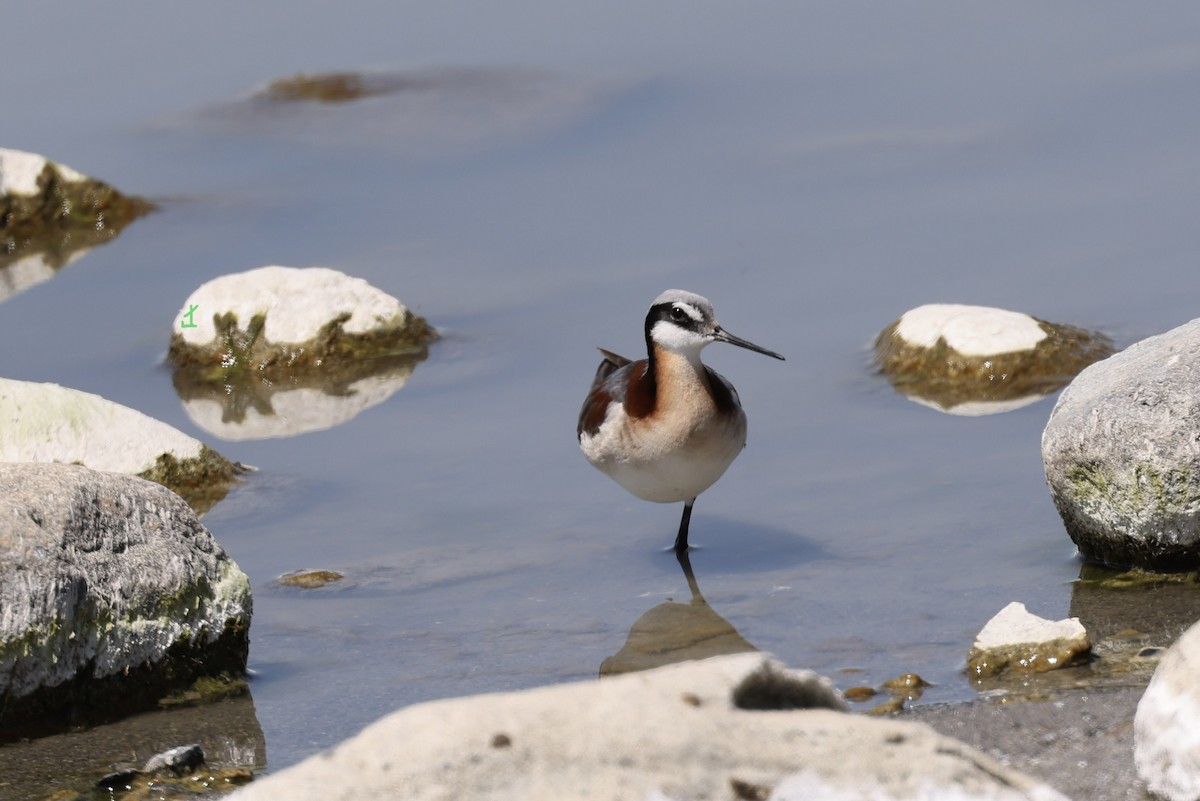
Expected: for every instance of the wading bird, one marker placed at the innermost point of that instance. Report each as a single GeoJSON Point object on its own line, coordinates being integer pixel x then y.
{"type": "Point", "coordinates": [666, 427]}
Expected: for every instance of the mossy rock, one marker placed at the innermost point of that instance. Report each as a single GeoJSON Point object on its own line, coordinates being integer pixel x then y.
{"type": "Point", "coordinates": [1014, 358]}
{"type": "Point", "coordinates": [242, 340]}
{"type": "Point", "coordinates": [60, 212]}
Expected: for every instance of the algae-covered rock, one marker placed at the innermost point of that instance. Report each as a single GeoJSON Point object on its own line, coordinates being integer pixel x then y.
{"type": "Point", "coordinates": [279, 351]}
{"type": "Point", "coordinates": [50, 215]}
{"type": "Point", "coordinates": [112, 596]}
{"type": "Point", "coordinates": [1017, 640]}
{"type": "Point", "coordinates": [1122, 456]}
{"type": "Point", "coordinates": [976, 360]}
{"type": "Point", "coordinates": [49, 423]}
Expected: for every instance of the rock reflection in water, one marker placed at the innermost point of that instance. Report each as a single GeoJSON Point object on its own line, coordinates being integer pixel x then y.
{"type": "Point", "coordinates": [676, 632]}
{"type": "Point", "coordinates": [249, 406]}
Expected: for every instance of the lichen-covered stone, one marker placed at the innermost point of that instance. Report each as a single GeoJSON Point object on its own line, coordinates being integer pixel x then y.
{"type": "Point", "coordinates": [49, 423]}
{"type": "Point", "coordinates": [974, 360]}
{"type": "Point", "coordinates": [1122, 456]}
{"type": "Point", "coordinates": [112, 596]}
{"type": "Point", "coordinates": [1017, 640]}
{"type": "Point", "coordinates": [50, 215]}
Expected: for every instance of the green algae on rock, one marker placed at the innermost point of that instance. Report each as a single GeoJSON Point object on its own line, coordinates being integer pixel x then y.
{"type": "Point", "coordinates": [975, 360]}
{"type": "Point", "coordinates": [49, 423]}
{"type": "Point", "coordinates": [244, 343]}
{"type": "Point", "coordinates": [1120, 455]}
{"type": "Point", "coordinates": [50, 215]}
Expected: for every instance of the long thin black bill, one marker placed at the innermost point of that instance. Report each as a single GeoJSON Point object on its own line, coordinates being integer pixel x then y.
{"type": "Point", "coordinates": [721, 335]}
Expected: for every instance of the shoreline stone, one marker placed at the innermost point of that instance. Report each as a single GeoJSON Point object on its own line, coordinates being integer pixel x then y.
{"type": "Point", "coordinates": [112, 596]}
{"type": "Point", "coordinates": [49, 423]}
{"type": "Point", "coordinates": [1122, 459]}
{"type": "Point", "coordinates": [1167, 723]}
{"type": "Point", "coordinates": [1015, 639]}
{"type": "Point", "coordinates": [674, 732]}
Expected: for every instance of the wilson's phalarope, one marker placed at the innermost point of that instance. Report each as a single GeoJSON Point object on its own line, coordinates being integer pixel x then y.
{"type": "Point", "coordinates": [666, 427]}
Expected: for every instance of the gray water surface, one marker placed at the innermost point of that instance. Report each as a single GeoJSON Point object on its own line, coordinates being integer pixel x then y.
{"type": "Point", "coordinates": [814, 169]}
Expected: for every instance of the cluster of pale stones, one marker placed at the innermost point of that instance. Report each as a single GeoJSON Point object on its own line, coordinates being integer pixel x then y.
{"type": "Point", "coordinates": [112, 593]}
{"type": "Point", "coordinates": [1122, 460]}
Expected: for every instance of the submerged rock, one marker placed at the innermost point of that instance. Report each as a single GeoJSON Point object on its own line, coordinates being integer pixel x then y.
{"type": "Point", "coordinates": [50, 423]}
{"type": "Point", "coordinates": [1122, 458]}
{"type": "Point", "coordinates": [309, 579]}
{"type": "Point", "coordinates": [112, 596]}
{"type": "Point", "coordinates": [422, 112]}
{"type": "Point", "coordinates": [976, 360]}
{"type": "Point", "coordinates": [50, 215]}
{"type": "Point", "coordinates": [676, 732]}
{"type": "Point", "coordinates": [279, 351]}
{"type": "Point", "coordinates": [1017, 640]}
{"type": "Point", "coordinates": [1166, 727]}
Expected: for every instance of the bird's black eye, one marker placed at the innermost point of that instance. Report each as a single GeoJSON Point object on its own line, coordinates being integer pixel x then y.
{"type": "Point", "coordinates": [677, 313]}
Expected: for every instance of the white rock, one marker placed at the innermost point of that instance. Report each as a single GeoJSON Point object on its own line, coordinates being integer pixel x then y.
{"type": "Point", "coordinates": [809, 785]}
{"type": "Point", "coordinates": [669, 733]}
{"type": "Point", "coordinates": [970, 330]}
{"type": "Point", "coordinates": [1122, 458]}
{"type": "Point", "coordinates": [1166, 728]}
{"type": "Point", "coordinates": [296, 302]}
{"type": "Point", "coordinates": [50, 423]}
{"type": "Point", "coordinates": [19, 171]}
{"type": "Point", "coordinates": [1015, 625]}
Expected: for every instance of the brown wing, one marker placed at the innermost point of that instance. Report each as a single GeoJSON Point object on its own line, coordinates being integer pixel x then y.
{"type": "Point", "coordinates": [609, 384]}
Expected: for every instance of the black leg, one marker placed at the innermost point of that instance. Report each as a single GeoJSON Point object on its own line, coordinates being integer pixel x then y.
{"type": "Point", "coordinates": [681, 543]}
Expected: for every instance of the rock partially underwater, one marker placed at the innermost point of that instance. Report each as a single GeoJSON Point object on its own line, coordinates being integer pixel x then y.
{"type": "Point", "coordinates": [49, 423]}
{"type": "Point", "coordinates": [976, 360]}
{"type": "Point", "coordinates": [51, 215]}
{"type": "Point", "coordinates": [279, 351]}
{"type": "Point", "coordinates": [1017, 640]}
{"type": "Point", "coordinates": [112, 596]}
{"type": "Point", "coordinates": [1122, 455]}
{"type": "Point", "coordinates": [429, 112]}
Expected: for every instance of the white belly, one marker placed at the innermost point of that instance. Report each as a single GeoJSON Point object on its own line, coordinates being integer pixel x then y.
{"type": "Point", "coordinates": [661, 465]}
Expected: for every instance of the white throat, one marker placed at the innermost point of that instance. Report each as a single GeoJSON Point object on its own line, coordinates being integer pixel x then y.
{"type": "Point", "coordinates": [678, 340]}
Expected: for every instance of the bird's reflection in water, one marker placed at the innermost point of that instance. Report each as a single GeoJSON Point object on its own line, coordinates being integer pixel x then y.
{"type": "Point", "coordinates": [676, 632]}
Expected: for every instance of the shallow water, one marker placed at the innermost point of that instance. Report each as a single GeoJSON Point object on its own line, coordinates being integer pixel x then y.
{"type": "Point", "coordinates": [813, 170]}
